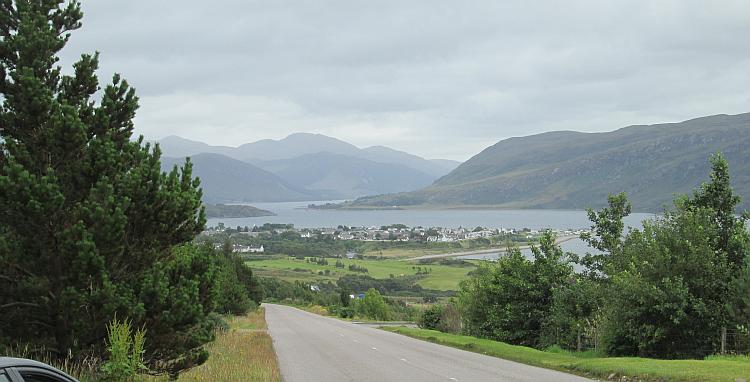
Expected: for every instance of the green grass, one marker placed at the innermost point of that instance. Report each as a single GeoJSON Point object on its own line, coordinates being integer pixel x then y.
{"type": "Point", "coordinates": [442, 277]}
{"type": "Point", "coordinates": [711, 369]}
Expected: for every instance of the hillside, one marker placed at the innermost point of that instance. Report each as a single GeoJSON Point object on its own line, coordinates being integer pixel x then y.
{"type": "Point", "coordinates": [572, 170]}
{"type": "Point", "coordinates": [297, 145]}
{"type": "Point", "coordinates": [224, 179]}
{"type": "Point", "coordinates": [339, 177]}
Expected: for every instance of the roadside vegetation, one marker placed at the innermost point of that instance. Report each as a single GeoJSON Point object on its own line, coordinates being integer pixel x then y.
{"type": "Point", "coordinates": [93, 234]}
{"type": "Point", "coordinates": [593, 364]}
{"type": "Point", "coordinates": [662, 302]}
{"type": "Point", "coordinates": [243, 352]}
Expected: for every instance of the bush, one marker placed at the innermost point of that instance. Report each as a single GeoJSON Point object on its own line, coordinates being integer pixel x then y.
{"type": "Point", "coordinates": [430, 317]}
{"type": "Point", "coordinates": [373, 306]}
{"type": "Point", "coordinates": [445, 318]}
{"type": "Point", "coordinates": [346, 312]}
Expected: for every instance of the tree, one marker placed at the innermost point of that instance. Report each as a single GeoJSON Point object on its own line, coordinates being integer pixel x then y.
{"type": "Point", "coordinates": [511, 299]}
{"type": "Point", "coordinates": [88, 216]}
{"type": "Point", "coordinates": [718, 196]}
{"type": "Point", "coordinates": [576, 305]}
{"type": "Point", "coordinates": [608, 227]}
{"type": "Point", "coordinates": [667, 299]}
{"type": "Point", "coordinates": [344, 298]}
{"type": "Point", "coordinates": [373, 306]}
{"type": "Point", "coordinates": [739, 307]}
{"type": "Point", "coordinates": [667, 286]}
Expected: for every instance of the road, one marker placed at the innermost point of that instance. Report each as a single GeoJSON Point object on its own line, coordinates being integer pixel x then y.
{"type": "Point", "coordinates": [313, 348]}
{"type": "Point", "coordinates": [559, 240]}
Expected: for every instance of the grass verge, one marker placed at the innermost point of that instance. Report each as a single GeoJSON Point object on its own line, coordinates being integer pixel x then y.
{"type": "Point", "coordinates": [243, 353]}
{"type": "Point", "coordinates": [718, 369]}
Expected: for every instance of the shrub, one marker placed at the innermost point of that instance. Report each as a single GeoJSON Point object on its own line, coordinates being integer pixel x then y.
{"type": "Point", "coordinates": [373, 306]}
{"type": "Point", "coordinates": [430, 318]}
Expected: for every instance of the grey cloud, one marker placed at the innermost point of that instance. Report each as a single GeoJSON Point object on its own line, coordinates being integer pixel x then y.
{"type": "Point", "coordinates": [438, 78]}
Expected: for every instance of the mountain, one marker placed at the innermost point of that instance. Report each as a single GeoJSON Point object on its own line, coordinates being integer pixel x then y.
{"type": "Point", "coordinates": [314, 165]}
{"type": "Point", "coordinates": [224, 179]}
{"type": "Point", "coordinates": [384, 154]}
{"type": "Point", "coordinates": [446, 164]}
{"type": "Point", "coordinates": [573, 170]}
{"type": "Point", "coordinates": [178, 147]}
{"type": "Point", "coordinates": [293, 146]}
{"type": "Point", "coordinates": [300, 144]}
{"type": "Point", "coordinates": [336, 176]}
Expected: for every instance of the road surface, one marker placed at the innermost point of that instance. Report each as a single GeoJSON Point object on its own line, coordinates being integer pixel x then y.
{"type": "Point", "coordinates": [313, 348]}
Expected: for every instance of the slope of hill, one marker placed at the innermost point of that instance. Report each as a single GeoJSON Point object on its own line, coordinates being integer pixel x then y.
{"type": "Point", "coordinates": [224, 179]}
{"type": "Point", "coordinates": [300, 144]}
{"type": "Point", "coordinates": [292, 146]}
{"type": "Point", "coordinates": [177, 147]}
{"type": "Point", "coordinates": [384, 154]}
{"type": "Point", "coordinates": [578, 170]}
{"type": "Point", "coordinates": [446, 164]}
{"type": "Point", "coordinates": [336, 176]}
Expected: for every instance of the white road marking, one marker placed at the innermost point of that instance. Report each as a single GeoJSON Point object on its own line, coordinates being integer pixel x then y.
{"type": "Point", "coordinates": [357, 341]}
{"type": "Point", "coordinates": [453, 379]}
{"type": "Point", "coordinates": [404, 359]}
{"type": "Point", "coordinates": [374, 348]}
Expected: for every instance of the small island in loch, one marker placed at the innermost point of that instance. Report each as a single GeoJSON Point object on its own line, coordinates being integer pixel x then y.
{"type": "Point", "coordinates": [235, 211]}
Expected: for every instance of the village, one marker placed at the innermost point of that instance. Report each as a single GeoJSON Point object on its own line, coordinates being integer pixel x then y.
{"type": "Point", "coordinates": [391, 233]}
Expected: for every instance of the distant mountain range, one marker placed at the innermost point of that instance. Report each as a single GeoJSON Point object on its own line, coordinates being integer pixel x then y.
{"type": "Point", "coordinates": [573, 170]}
{"type": "Point", "coordinates": [301, 167]}
{"type": "Point", "coordinates": [224, 179]}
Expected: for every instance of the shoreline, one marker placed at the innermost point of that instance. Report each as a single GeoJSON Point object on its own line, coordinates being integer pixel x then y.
{"type": "Point", "coordinates": [559, 240]}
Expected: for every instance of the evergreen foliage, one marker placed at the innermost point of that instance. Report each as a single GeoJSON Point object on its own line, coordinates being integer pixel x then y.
{"type": "Point", "coordinates": [90, 226]}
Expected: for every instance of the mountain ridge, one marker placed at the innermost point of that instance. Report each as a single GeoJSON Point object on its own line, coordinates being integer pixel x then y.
{"type": "Point", "coordinates": [227, 180]}
{"type": "Point", "coordinates": [331, 168]}
{"type": "Point", "coordinates": [576, 170]}
{"type": "Point", "coordinates": [299, 144]}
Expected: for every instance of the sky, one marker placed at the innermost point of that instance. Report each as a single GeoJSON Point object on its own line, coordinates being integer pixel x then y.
{"type": "Point", "coordinates": [439, 79]}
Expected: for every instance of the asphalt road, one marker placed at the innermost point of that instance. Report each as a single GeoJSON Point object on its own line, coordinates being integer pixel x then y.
{"type": "Point", "coordinates": [313, 348]}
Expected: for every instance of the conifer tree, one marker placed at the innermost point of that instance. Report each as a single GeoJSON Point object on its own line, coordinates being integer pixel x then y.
{"type": "Point", "coordinates": [87, 214]}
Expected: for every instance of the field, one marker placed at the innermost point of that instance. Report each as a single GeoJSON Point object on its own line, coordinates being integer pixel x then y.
{"type": "Point", "coordinates": [712, 369]}
{"type": "Point", "coordinates": [440, 277]}
{"type": "Point", "coordinates": [244, 353]}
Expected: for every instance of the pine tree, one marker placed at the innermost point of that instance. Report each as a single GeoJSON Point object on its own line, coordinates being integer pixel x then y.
{"type": "Point", "coordinates": [87, 214]}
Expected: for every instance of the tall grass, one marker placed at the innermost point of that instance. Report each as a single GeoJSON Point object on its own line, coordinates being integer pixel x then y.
{"type": "Point", "coordinates": [243, 353]}
{"type": "Point", "coordinates": [85, 370]}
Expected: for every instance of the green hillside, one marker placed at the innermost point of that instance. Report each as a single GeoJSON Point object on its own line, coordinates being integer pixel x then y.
{"type": "Point", "coordinates": [572, 170]}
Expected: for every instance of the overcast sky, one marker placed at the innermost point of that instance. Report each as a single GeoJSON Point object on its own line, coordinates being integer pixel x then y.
{"type": "Point", "coordinates": [440, 79]}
